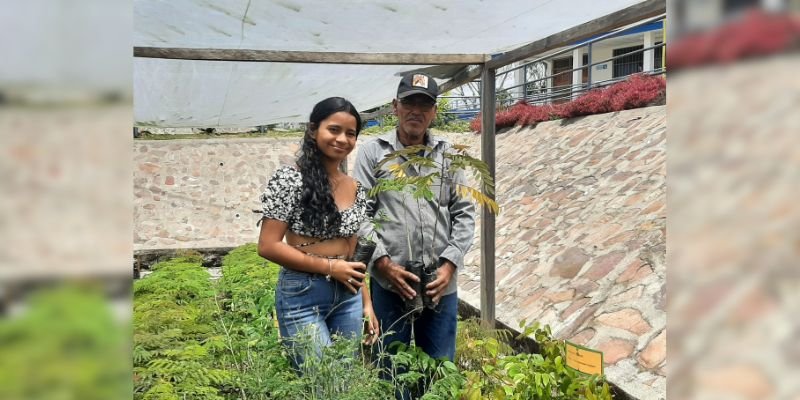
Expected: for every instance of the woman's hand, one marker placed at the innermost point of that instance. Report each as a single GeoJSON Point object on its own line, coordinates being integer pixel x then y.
{"type": "Point", "coordinates": [349, 273]}
{"type": "Point", "coordinates": [372, 330]}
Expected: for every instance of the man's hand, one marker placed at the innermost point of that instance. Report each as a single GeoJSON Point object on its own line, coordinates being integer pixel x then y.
{"type": "Point", "coordinates": [436, 289]}
{"type": "Point", "coordinates": [397, 277]}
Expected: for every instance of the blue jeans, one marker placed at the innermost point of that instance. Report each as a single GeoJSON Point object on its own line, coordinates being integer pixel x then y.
{"type": "Point", "coordinates": [434, 330]}
{"type": "Point", "coordinates": [311, 306]}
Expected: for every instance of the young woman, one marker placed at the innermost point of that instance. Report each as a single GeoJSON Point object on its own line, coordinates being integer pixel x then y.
{"type": "Point", "coordinates": [318, 210]}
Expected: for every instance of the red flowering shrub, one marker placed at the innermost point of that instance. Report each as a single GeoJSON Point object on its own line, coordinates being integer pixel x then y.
{"type": "Point", "coordinates": [475, 124]}
{"type": "Point", "coordinates": [505, 118]}
{"type": "Point", "coordinates": [537, 114]}
{"type": "Point", "coordinates": [758, 33]}
{"type": "Point", "coordinates": [637, 91]}
{"type": "Point", "coordinates": [593, 102]}
{"type": "Point", "coordinates": [510, 116]}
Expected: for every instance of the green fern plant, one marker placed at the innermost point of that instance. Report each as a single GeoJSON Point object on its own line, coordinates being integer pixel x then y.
{"type": "Point", "coordinates": [477, 344]}
{"type": "Point", "coordinates": [173, 316]}
{"type": "Point", "coordinates": [247, 341]}
{"type": "Point", "coordinates": [421, 186]}
{"type": "Point", "coordinates": [200, 339]}
{"type": "Point", "coordinates": [531, 376]}
{"type": "Point", "coordinates": [65, 343]}
{"type": "Point", "coordinates": [415, 371]}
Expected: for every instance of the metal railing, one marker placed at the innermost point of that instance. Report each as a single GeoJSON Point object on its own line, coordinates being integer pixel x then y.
{"type": "Point", "coordinates": [543, 92]}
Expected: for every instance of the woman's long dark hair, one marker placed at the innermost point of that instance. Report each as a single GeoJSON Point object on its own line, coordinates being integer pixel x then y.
{"type": "Point", "coordinates": [319, 209]}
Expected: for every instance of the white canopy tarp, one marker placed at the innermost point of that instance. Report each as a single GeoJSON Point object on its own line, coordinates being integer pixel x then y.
{"type": "Point", "coordinates": [190, 93]}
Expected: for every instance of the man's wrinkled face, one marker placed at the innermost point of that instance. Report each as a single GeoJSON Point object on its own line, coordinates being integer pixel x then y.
{"type": "Point", "coordinates": [415, 114]}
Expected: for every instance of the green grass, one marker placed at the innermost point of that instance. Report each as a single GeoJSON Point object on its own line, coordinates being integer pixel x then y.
{"type": "Point", "coordinates": [270, 134]}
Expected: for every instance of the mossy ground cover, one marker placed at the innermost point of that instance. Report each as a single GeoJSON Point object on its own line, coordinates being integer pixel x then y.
{"type": "Point", "coordinates": [66, 344]}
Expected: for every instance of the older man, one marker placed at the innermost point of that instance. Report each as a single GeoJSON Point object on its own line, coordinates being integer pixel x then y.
{"type": "Point", "coordinates": [437, 233]}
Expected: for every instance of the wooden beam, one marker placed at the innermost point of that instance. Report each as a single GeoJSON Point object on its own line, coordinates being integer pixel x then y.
{"type": "Point", "coordinates": [377, 113]}
{"type": "Point", "coordinates": [488, 99]}
{"type": "Point", "coordinates": [467, 74]}
{"type": "Point", "coordinates": [638, 12]}
{"type": "Point", "coordinates": [312, 57]}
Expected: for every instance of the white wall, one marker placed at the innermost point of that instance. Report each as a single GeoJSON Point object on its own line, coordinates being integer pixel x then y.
{"type": "Point", "coordinates": [601, 52]}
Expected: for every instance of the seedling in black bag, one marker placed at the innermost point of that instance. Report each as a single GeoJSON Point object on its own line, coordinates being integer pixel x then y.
{"type": "Point", "coordinates": [428, 275]}
{"type": "Point", "coordinates": [365, 246]}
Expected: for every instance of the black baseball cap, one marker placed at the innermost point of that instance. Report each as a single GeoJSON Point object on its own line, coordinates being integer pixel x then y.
{"type": "Point", "coordinates": [418, 83]}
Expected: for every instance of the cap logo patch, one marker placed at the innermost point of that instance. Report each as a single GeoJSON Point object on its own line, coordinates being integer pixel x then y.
{"type": "Point", "coordinates": [419, 80]}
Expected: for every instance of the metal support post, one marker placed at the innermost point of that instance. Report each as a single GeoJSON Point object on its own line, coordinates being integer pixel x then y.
{"type": "Point", "coordinates": [589, 67]}
{"type": "Point", "coordinates": [488, 99]}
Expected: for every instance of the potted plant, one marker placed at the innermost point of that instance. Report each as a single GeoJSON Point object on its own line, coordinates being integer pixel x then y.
{"type": "Point", "coordinates": [423, 186]}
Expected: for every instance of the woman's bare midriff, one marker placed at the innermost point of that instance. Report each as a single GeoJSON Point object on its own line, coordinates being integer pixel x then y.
{"type": "Point", "coordinates": [329, 248]}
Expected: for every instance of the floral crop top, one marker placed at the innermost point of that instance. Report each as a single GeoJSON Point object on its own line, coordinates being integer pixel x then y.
{"type": "Point", "coordinates": [281, 200]}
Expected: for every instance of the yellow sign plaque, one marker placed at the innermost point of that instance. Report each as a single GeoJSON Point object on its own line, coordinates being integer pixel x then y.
{"type": "Point", "coordinates": [584, 359]}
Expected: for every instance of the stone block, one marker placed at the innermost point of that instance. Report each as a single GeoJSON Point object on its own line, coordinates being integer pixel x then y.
{"type": "Point", "coordinates": [583, 337]}
{"type": "Point", "coordinates": [576, 305]}
{"type": "Point", "coordinates": [149, 168]}
{"type": "Point", "coordinates": [626, 296]}
{"type": "Point", "coordinates": [602, 265]}
{"type": "Point", "coordinates": [533, 297]}
{"type": "Point", "coordinates": [615, 349]}
{"type": "Point", "coordinates": [630, 271]}
{"type": "Point", "coordinates": [741, 381]}
{"type": "Point", "coordinates": [655, 352]}
{"type": "Point", "coordinates": [558, 297]}
{"type": "Point", "coordinates": [569, 263]}
{"type": "Point", "coordinates": [628, 319]}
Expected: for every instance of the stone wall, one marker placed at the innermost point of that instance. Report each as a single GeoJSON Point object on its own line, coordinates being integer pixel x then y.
{"type": "Point", "coordinates": [191, 193]}
{"type": "Point", "coordinates": [65, 209]}
{"type": "Point", "coordinates": [580, 239]}
{"type": "Point", "coordinates": [201, 193]}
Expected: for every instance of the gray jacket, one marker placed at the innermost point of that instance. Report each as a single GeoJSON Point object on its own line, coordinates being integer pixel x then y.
{"type": "Point", "coordinates": [448, 225]}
